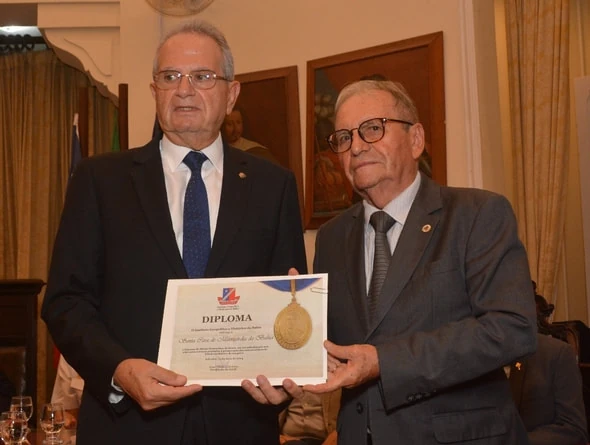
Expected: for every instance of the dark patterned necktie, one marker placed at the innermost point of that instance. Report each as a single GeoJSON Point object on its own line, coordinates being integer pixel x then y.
{"type": "Point", "coordinates": [196, 239]}
{"type": "Point", "coordinates": [381, 222]}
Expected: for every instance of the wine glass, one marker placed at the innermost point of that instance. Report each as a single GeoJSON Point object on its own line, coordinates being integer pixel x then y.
{"type": "Point", "coordinates": [52, 419]}
{"type": "Point", "coordinates": [24, 404]}
{"type": "Point", "coordinates": [13, 427]}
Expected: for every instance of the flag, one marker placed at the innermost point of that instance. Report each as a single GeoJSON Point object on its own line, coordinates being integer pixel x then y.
{"type": "Point", "coordinates": [115, 144]}
{"type": "Point", "coordinates": [76, 156]}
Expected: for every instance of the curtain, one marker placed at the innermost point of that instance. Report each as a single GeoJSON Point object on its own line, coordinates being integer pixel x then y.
{"type": "Point", "coordinates": [39, 96]}
{"type": "Point", "coordinates": [538, 65]}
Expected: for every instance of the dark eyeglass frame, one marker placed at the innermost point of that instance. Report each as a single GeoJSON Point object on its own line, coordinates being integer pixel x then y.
{"type": "Point", "coordinates": [332, 137]}
{"type": "Point", "coordinates": [547, 310]}
{"type": "Point", "coordinates": [547, 313]}
{"type": "Point", "coordinates": [211, 77]}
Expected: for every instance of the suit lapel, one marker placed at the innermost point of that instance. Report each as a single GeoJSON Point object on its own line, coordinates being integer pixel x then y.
{"type": "Point", "coordinates": [354, 255]}
{"type": "Point", "coordinates": [416, 234]}
{"type": "Point", "coordinates": [148, 178]}
{"type": "Point", "coordinates": [234, 201]}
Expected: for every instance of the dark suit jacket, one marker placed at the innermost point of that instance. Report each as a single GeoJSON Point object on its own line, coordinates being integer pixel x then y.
{"type": "Point", "coordinates": [547, 389]}
{"type": "Point", "coordinates": [457, 305]}
{"type": "Point", "coordinates": [114, 252]}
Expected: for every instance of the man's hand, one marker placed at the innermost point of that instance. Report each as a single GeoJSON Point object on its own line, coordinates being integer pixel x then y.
{"type": "Point", "coordinates": [348, 366]}
{"type": "Point", "coordinates": [267, 394]}
{"type": "Point", "coordinates": [71, 418]}
{"type": "Point", "coordinates": [150, 385]}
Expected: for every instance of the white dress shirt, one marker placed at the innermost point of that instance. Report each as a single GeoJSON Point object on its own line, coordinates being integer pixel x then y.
{"type": "Point", "coordinates": [177, 175]}
{"type": "Point", "coordinates": [68, 386]}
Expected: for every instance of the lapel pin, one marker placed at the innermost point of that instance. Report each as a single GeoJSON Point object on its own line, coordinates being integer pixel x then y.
{"type": "Point", "coordinates": [242, 175]}
{"type": "Point", "coordinates": [518, 365]}
{"type": "Point", "coordinates": [426, 228]}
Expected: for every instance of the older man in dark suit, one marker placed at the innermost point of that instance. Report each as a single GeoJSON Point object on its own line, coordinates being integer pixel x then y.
{"type": "Point", "coordinates": [429, 290]}
{"type": "Point", "coordinates": [547, 390]}
{"type": "Point", "coordinates": [125, 231]}
{"type": "Point", "coordinates": [547, 386]}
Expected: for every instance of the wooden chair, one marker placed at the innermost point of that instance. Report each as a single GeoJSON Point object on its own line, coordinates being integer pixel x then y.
{"type": "Point", "coordinates": [578, 336]}
{"type": "Point", "coordinates": [13, 362]}
{"type": "Point", "coordinates": [18, 333]}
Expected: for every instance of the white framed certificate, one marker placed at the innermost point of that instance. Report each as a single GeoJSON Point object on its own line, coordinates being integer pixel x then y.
{"type": "Point", "coordinates": [220, 331]}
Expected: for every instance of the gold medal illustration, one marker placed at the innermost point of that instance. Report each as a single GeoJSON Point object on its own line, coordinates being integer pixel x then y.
{"type": "Point", "coordinates": [293, 324]}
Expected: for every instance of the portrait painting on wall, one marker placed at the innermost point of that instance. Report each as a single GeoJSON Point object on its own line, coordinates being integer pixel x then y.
{"type": "Point", "coordinates": [416, 63]}
{"type": "Point", "coordinates": [265, 119]}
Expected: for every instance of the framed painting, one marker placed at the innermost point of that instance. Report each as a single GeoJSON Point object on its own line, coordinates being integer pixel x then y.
{"type": "Point", "coordinates": [417, 63]}
{"type": "Point", "coordinates": [265, 120]}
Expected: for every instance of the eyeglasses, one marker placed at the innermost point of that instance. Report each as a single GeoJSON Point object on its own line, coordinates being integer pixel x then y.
{"type": "Point", "coordinates": [201, 79]}
{"type": "Point", "coordinates": [370, 131]}
{"type": "Point", "coordinates": [547, 310]}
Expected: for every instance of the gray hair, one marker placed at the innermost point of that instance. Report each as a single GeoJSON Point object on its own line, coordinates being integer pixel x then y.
{"type": "Point", "coordinates": [403, 102]}
{"type": "Point", "coordinates": [203, 28]}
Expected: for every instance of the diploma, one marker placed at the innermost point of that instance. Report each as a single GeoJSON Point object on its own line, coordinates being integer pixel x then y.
{"type": "Point", "coordinates": [220, 331]}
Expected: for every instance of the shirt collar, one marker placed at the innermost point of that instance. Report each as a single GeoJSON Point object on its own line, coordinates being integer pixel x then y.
{"type": "Point", "coordinates": [400, 206]}
{"type": "Point", "coordinates": [173, 155]}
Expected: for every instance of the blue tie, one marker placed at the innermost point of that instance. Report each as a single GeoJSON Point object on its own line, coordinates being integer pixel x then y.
{"type": "Point", "coordinates": [196, 242]}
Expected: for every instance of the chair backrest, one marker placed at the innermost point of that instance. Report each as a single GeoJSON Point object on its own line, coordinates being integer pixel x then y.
{"type": "Point", "coordinates": [577, 335]}
{"type": "Point", "coordinates": [18, 333]}
{"type": "Point", "coordinates": [13, 362]}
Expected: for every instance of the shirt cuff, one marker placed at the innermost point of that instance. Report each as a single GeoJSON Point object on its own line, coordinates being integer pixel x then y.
{"type": "Point", "coordinates": [117, 394]}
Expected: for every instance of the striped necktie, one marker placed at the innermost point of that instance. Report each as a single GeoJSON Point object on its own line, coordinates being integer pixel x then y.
{"type": "Point", "coordinates": [381, 222]}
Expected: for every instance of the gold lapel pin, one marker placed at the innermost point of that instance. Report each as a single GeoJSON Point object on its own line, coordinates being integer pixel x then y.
{"type": "Point", "coordinates": [242, 175]}
{"type": "Point", "coordinates": [426, 228]}
{"type": "Point", "coordinates": [518, 365]}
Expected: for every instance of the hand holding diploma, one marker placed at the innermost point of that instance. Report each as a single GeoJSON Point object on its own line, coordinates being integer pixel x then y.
{"type": "Point", "coordinates": [267, 394]}
{"type": "Point", "coordinates": [348, 367]}
{"type": "Point", "coordinates": [150, 385]}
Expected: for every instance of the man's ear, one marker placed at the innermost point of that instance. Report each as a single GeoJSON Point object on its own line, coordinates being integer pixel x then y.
{"type": "Point", "coordinates": [232, 95]}
{"type": "Point", "coordinates": [417, 137]}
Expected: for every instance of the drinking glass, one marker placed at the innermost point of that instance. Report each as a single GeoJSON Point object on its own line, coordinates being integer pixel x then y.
{"type": "Point", "coordinates": [24, 404]}
{"type": "Point", "coordinates": [52, 419]}
{"type": "Point", "coordinates": [13, 427]}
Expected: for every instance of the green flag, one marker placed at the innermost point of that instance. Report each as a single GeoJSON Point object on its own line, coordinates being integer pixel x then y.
{"type": "Point", "coordinates": [115, 146]}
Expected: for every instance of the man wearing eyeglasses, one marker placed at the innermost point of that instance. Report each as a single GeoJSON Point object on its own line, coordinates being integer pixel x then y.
{"type": "Point", "coordinates": [429, 290]}
{"type": "Point", "coordinates": [185, 206]}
